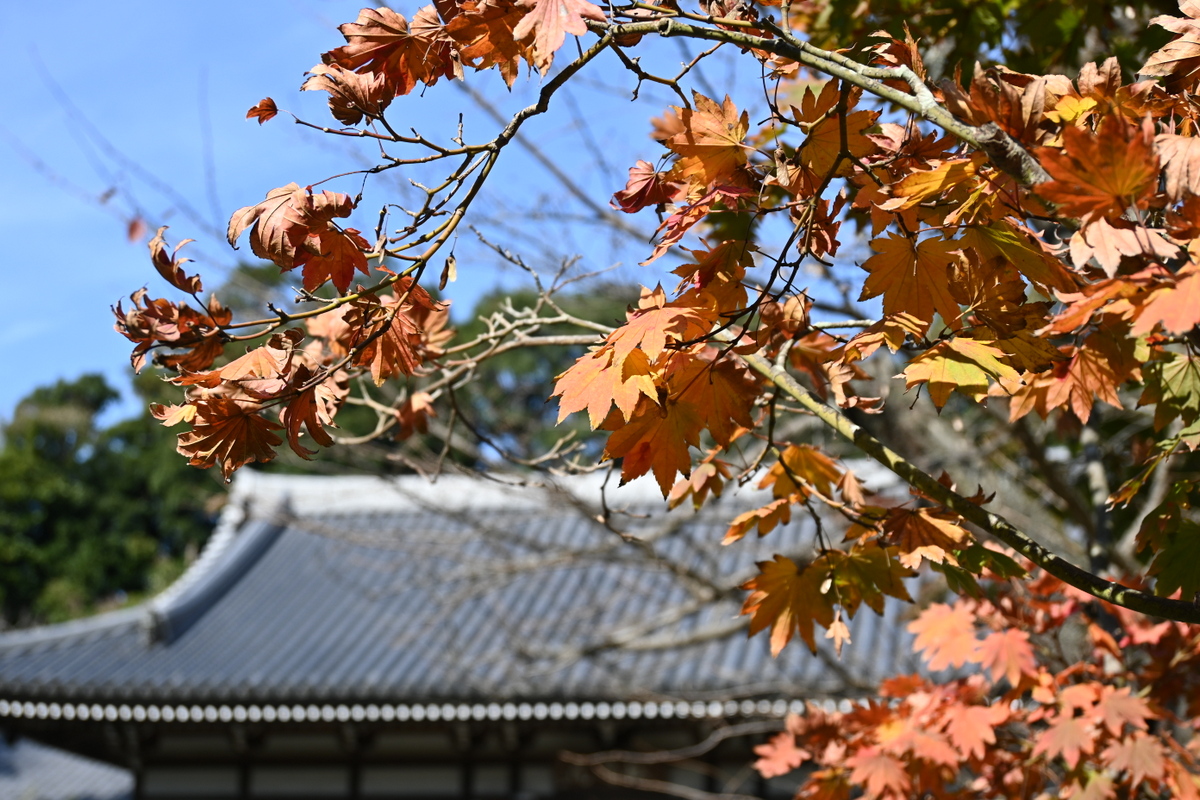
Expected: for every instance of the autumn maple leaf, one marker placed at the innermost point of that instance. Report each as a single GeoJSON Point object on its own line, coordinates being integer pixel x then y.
{"type": "Point", "coordinates": [657, 323]}
{"type": "Point", "coordinates": [383, 42]}
{"type": "Point", "coordinates": [787, 599]}
{"type": "Point", "coordinates": [1176, 306]}
{"type": "Point", "coordinates": [779, 756]}
{"type": "Point", "coordinates": [596, 382]}
{"type": "Point", "coordinates": [924, 533]}
{"type": "Point", "coordinates": [1068, 737]}
{"type": "Point", "coordinates": [913, 277]}
{"type": "Point", "coordinates": [764, 520]}
{"type": "Point", "coordinates": [799, 467]}
{"type": "Point", "coordinates": [946, 634]}
{"type": "Point", "coordinates": [228, 435]}
{"type": "Point", "coordinates": [711, 145]}
{"type": "Point", "coordinates": [387, 338]}
{"type": "Point", "coordinates": [351, 95]}
{"type": "Point", "coordinates": [972, 728]}
{"type": "Point", "coordinates": [646, 187]}
{"type": "Point", "coordinates": [722, 392]}
{"type": "Point", "coordinates": [413, 415]}
{"type": "Point", "coordinates": [313, 408]}
{"type": "Point", "coordinates": [1093, 370]}
{"type": "Point", "coordinates": [959, 364]}
{"type": "Point", "coordinates": [1101, 174]}
{"type": "Point", "coordinates": [293, 228]}
{"type": "Point", "coordinates": [654, 438]}
{"type": "Point", "coordinates": [170, 267]}
{"type": "Point", "coordinates": [1141, 755]}
{"type": "Point", "coordinates": [264, 111]}
{"type": "Point", "coordinates": [1008, 654]}
{"type": "Point", "coordinates": [881, 774]}
{"type": "Point", "coordinates": [1179, 59]}
{"type": "Point", "coordinates": [550, 21]}
{"type": "Point", "coordinates": [484, 33]}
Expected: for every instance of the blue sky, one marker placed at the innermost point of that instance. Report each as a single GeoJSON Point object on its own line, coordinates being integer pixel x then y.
{"type": "Point", "coordinates": [138, 108]}
{"type": "Point", "coordinates": [167, 86]}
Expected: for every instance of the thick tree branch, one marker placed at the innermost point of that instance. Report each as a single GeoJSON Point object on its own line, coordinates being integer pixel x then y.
{"type": "Point", "coordinates": [997, 526]}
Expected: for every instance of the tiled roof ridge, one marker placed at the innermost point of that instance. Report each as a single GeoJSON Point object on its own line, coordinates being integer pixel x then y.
{"type": "Point", "coordinates": [242, 536]}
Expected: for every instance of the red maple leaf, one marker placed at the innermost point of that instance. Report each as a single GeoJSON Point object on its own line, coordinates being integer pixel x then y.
{"type": "Point", "coordinates": [646, 187]}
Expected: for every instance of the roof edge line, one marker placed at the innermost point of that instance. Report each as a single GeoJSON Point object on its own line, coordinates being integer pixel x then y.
{"type": "Point", "coordinates": [238, 544]}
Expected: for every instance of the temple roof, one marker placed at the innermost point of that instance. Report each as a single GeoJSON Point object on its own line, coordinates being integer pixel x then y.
{"type": "Point", "coordinates": [356, 590]}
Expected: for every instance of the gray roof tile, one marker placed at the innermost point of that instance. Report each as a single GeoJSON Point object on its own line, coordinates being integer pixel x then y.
{"type": "Point", "coordinates": [444, 592]}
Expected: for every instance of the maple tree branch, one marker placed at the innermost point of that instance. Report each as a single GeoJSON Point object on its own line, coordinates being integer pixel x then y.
{"type": "Point", "coordinates": [996, 525]}
{"type": "Point", "coordinates": [1005, 152]}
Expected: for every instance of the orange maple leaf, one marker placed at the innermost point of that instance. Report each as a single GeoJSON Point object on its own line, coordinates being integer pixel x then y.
{"type": "Point", "coordinates": [655, 438]}
{"type": "Point", "coordinates": [1001, 241]}
{"type": "Point", "coordinates": [708, 477]}
{"type": "Point", "coordinates": [723, 393]}
{"type": "Point", "coordinates": [972, 728]}
{"type": "Point", "coordinates": [807, 465]}
{"type": "Point", "coordinates": [1101, 174]}
{"type": "Point", "coordinates": [383, 42]}
{"type": "Point", "coordinates": [924, 533]}
{"type": "Point", "coordinates": [881, 774]}
{"type": "Point", "coordinates": [711, 144]}
{"type": "Point", "coordinates": [1069, 738]}
{"type": "Point", "coordinates": [1093, 370]}
{"type": "Point", "coordinates": [913, 277]}
{"type": "Point", "coordinates": [351, 95]}
{"type": "Point", "coordinates": [946, 634]}
{"type": "Point", "coordinates": [823, 141]}
{"type": "Point", "coordinates": [1008, 654]}
{"type": "Point", "coordinates": [657, 323]}
{"type": "Point", "coordinates": [264, 111]}
{"type": "Point", "coordinates": [413, 415]}
{"type": "Point", "coordinates": [171, 266]}
{"type": "Point", "coordinates": [483, 32]}
{"type": "Point", "coordinates": [1140, 755]}
{"type": "Point", "coordinates": [387, 337]}
{"type": "Point", "coordinates": [1179, 59]}
{"type": "Point", "coordinates": [293, 228]}
{"type": "Point", "coordinates": [226, 434]}
{"type": "Point", "coordinates": [1120, 707]}
{"type": "Point", "coordinates": [1175, 305]}
{"type": "Point", "coordinates": [788, 599]}
{"type": "Point", "coordinates": [765, 519]}
{"type": "Point", "coordinates": [596, 382]}
{"type": "Point", "coordinates": [779, 756]}
{"type": "Point", "coordinates": [550, 21]}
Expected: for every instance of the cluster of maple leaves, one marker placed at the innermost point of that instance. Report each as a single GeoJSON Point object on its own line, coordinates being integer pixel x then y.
{"type": "Point", "coordinates": [1050, 294]}
{"type": "Point", "coordinates": [1044, 693]}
